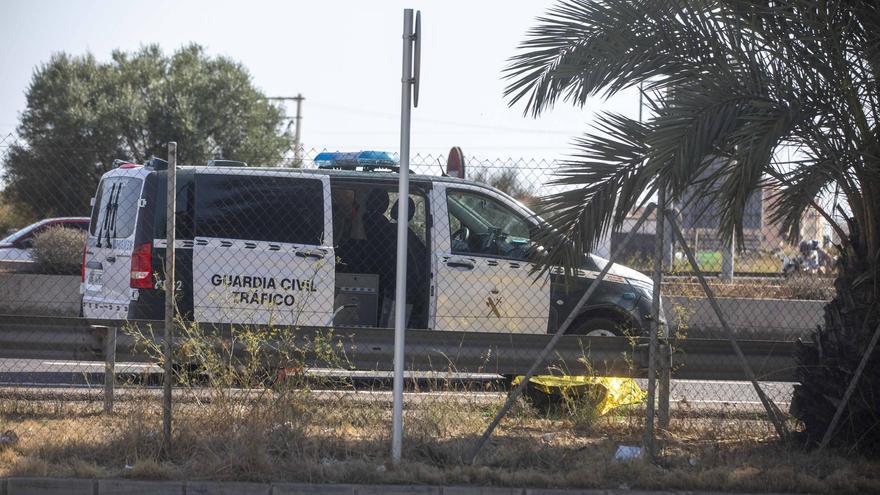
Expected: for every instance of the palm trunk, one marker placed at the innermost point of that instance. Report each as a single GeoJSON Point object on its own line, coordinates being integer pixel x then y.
{"type": "Point", "coordinates": [827, 364]}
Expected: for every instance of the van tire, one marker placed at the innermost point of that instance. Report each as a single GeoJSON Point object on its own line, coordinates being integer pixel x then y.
{"type": "Point", "coordinates": [602, 327]}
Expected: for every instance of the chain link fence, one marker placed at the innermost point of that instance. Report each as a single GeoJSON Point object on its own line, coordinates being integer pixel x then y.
{"type": "Point", "coordinates": [282, 273]}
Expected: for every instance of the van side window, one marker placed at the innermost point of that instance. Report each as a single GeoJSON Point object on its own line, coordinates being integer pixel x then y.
{"type": "Point", "coordinates": [481, 225]}
{"type": "Point", "coordinates": [259, 208]}
{"type": "Point", "coordinates": [184, 210]}
{"type": "Point", "coordinates": [116, 207]}
{"type": "Point", "coordinates": [418, 216]}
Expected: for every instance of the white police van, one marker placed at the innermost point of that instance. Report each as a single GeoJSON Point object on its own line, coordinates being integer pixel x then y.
{"type": "Point", "coordinates": [317, 247]}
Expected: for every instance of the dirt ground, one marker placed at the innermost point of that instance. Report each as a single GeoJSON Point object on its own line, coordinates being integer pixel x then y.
{"type": "Point", "coordinates": [293, 437]}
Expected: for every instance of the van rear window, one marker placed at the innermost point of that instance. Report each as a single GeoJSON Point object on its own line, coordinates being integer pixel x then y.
{"type": "Point", "coordinates": [259, 208]}
{"type": "Point", "coordinates": [116, 206]}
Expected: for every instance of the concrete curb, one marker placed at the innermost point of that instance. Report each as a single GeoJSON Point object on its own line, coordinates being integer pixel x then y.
{"type": "Point", "coordinates": [52, 486]}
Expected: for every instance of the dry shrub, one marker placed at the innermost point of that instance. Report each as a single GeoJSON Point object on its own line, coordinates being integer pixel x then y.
{"type": "Point", "coordinates": [58, 250]}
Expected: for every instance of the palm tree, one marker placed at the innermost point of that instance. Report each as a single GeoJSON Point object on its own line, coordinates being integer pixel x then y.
{"type": "Point", "coordinates": [730, 82]}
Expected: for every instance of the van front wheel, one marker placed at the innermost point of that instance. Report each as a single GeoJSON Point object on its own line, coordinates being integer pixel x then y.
{"type": "Point", "coordinates": [602, 327]}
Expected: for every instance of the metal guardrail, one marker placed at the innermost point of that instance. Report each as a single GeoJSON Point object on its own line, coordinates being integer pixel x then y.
{"type": "Point", "coordinates": [371, 349]}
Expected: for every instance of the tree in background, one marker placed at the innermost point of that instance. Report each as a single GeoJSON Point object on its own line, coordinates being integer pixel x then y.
{"type": "Point", "coordinates": [734, 81]}
{"type": "Point", "coordinates": [82, 114]}
{"type": "Point", "coordinates": [506, 180]}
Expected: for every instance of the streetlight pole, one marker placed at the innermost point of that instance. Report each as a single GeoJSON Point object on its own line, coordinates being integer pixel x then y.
{"type": "Point", "coordinates": [297, 133]}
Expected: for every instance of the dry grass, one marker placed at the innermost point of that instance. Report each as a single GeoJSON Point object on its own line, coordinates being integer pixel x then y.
{"type": "Point", "coordinates": [297, 431]}
{"type": "Point", "coordinates": [292, 436]}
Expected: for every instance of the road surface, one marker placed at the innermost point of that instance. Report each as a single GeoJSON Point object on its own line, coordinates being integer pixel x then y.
{"type": "Point", "coordinates": [698, 395]}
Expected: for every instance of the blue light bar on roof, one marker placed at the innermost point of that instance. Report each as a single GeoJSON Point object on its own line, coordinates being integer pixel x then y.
{"type": "Point", "coordinates": [351, 160]}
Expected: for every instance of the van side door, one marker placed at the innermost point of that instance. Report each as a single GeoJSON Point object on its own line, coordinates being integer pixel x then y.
{"type": "Point", "coordinates": [483, 282]}
{"type": "Point", "coordinates": [263, 248]}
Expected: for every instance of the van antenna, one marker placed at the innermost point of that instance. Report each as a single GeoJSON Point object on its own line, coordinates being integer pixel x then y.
{"type": "Point", "coordinates": [442, 170]}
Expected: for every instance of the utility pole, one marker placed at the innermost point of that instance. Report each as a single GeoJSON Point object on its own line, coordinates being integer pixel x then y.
{"type": "Point", "coordinates": [297, 144]}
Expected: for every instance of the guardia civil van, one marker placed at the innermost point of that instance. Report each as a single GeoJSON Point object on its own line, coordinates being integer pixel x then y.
{"type": "Point", "coordinates": [316, 247]}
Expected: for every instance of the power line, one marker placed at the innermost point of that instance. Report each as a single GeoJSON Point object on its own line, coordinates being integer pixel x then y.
{"type": "Point", "coordinates": [385, 115]}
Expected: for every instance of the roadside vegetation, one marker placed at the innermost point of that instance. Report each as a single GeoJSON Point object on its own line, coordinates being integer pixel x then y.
{"type": "Point", "coordinates": [343, 438]}
{"type": "Point", "coordinates": [806, 287]}
{"type": "Point", "coordinates": [245, 409]}
{"type": "Point", "coordinates": [58, 250]}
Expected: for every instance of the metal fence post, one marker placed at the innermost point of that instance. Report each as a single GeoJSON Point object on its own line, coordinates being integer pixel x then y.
{"type": "Point", "coordinates": [170, 206]}
{"type": "Point", "coordinates": [664, 381]}
{"type": "Point", "coordinates": [665, 348]}
{"type": "Point", "coordinates": [655, 325]}
{"type": "Point", "coordinates": [728, 259]}
{"type": "Point", "coordinates": [109, 368]}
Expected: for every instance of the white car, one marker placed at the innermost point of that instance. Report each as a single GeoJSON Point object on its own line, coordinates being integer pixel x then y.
{"type": "Point", "coordinates": [17, 246]}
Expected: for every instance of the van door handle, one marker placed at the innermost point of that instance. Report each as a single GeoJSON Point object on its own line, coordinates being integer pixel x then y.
{"type": "Point", "coordinates": [110, 259]}
{"type": "Point", "coordinates": [311, 253]}
{"type": "Point", "coordinates": [460, 263]}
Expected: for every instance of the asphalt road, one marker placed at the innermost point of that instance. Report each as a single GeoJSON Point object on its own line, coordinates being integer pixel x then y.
{"type": "Point", "coordinates": [684, 394]}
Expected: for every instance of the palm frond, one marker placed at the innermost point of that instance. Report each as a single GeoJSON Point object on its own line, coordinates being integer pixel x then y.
{"type": "Point", "coordinates": [609, 161]}
{"type": "Point", "coordinates": [581, 48]}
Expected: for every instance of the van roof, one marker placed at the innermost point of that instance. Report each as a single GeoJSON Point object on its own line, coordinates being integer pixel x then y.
{"type": "Point", "coordinates": [330, 172]}
{"type": "Point", "coordinates": [346, 173]}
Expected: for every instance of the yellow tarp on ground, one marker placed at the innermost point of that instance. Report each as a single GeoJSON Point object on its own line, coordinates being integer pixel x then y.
{"type": "Point", "coordinates": [606, 393]}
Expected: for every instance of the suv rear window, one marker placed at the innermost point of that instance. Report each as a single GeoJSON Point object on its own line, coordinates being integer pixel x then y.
{"type": "Point", "coordinates": [116, 207]}
{"type": "Point", "coordinates": [259, 208]}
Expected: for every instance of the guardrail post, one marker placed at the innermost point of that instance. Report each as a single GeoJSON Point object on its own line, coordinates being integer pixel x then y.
{"type": "Point", "coordinates": [109, 368]}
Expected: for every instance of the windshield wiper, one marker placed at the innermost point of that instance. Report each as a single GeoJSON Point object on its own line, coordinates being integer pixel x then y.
{"type": "Point", "coordinates": [115, 210]}
{"type": "Point", "coordinates": [105, 220]}
{"type": "Point", "coordinates": [114, 207]}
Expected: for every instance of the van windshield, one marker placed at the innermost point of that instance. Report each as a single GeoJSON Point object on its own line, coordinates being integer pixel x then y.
{"type": "Point", "coordinates": [116, 206]}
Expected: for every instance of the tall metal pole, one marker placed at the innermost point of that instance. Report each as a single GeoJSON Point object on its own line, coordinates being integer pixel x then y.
{"type": "Point", "coordinates": [297, 145]}
{"type": "Point", "coordinates": [169, 294]}
{"type": "Point", "coordinates": [402, 232]}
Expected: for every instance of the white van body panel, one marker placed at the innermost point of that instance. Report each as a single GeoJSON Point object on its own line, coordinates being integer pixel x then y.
{"type": "Point", "coordinates": [260, 282]}
{"type": "Point", "coordinates": [267, 283]}
{"type": "Point", "coordinates": [488, 294]}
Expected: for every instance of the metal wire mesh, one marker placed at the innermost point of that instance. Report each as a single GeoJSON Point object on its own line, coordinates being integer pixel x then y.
{"type": "Point", "coordinates": [280, 249]}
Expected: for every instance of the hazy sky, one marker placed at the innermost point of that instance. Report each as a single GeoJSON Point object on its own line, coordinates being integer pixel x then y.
{"type": "Point", "coordinates": [343, 56]}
